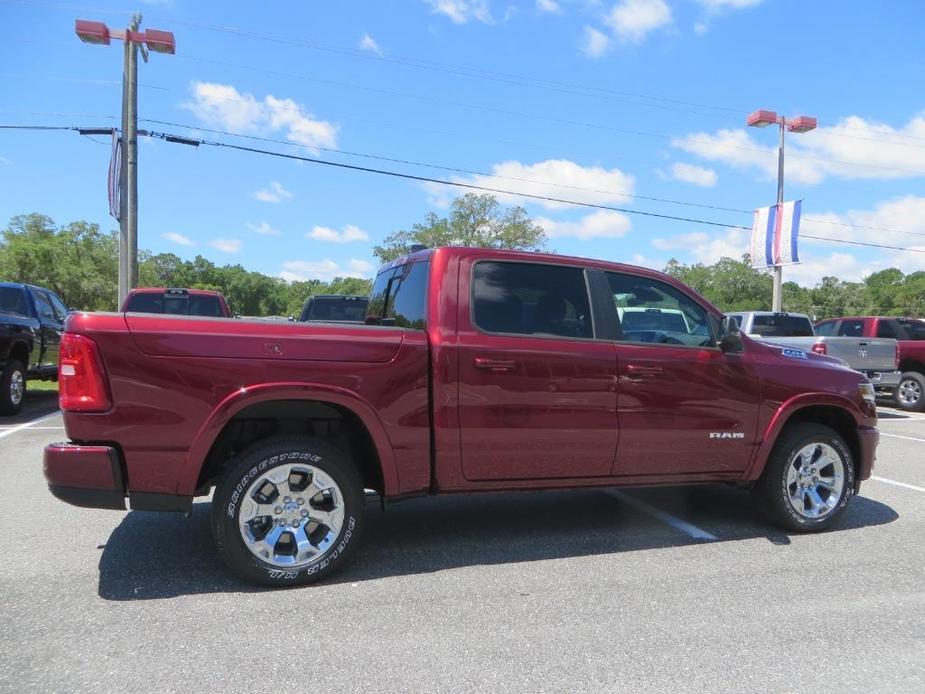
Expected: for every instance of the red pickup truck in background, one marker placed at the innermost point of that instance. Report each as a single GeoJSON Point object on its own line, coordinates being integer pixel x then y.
{"type": "Point", "coordinates": [910, 336]}
{"type": "Point", "coordinates": [477, 370]}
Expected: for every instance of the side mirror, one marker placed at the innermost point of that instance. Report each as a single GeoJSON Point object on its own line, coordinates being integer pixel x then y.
{"type": "Point", "coordinates": [731, 339]}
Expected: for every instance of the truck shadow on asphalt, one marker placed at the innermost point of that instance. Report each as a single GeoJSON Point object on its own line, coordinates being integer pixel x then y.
{"type": "Point", "coordinates": [37, 404]}
{"type": "Point", "coordinates": [159, 555]}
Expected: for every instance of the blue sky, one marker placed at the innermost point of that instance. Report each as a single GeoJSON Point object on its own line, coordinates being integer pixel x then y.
{"type": "Point", "coordinates": [604, 102]}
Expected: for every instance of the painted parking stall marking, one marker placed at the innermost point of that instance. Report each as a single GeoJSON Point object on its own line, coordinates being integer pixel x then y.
{"type": "Point", "coordinates": [678, 524]}
{"type": "Point", "coordinates": [898, 484]}
{"type": "Point", "coordinates": [28, 425]}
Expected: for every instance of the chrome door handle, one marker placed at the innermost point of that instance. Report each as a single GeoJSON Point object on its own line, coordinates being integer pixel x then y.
{"type": "Point", "coordinates": [495, 365]}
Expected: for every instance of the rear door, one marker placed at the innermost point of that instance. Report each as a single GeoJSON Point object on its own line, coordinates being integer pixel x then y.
{"type": "Point", "coordinates": [537, 393]}
{"type": "Point", "coordinates": [685, 406]}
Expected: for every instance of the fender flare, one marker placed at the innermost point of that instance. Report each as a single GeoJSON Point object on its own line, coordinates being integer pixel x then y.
{"type": "Point", "coordinates": [251, 395]}
{"type": "Point", "coordinates": [783, 415]}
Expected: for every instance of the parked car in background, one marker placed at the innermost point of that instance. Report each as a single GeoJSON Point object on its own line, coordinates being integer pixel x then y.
{"type": "Point", "coordinates": [178, 302]}
{"type": "Point", "coordinates": [909, 334]}
{"type": "Point", "coordinates": [31, 324]}
{"type": "Point", "coordinates": [334, 308]}
{"type": "Point", "coordinates": [877, 358]}
{"type": "Point", "coordinates": [476, 370]}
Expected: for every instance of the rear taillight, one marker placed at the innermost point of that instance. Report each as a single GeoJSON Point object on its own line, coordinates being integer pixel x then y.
{"type": "Point", "coordinates": [82, 383]}
{"type": "Point", "coordinates": [820, 348]}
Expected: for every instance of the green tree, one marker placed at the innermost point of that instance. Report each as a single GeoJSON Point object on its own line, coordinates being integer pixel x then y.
{"type": "Point", "coordinates": [733, 285]}
{"type": "Point", "coordinates": [474, 220]}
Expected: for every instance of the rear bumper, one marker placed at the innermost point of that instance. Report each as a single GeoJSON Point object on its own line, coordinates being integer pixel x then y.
{"type": "Point", "coordinates": [868, 438]}
{"type": "Point", "coordinates": [884, 380]}
{"type": "Point", "coordinates": [87, 476]}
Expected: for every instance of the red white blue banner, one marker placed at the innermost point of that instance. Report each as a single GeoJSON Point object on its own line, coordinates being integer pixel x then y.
{"type": "Point", "coordinates": [115, 175]}
{"type": "Point", "coordinates": [774, 235]}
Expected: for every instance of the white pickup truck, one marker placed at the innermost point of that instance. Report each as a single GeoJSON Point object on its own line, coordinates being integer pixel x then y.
{"type": "Point", "coordinates": [875, 357]}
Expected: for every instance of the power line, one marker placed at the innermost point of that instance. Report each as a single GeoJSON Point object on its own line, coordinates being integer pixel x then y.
{"type": "Point", "coordinates": [472, 186]}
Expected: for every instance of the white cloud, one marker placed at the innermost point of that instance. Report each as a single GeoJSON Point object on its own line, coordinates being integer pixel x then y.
{"type": "Point", "coordinates": [179, 238]}
{"type": "Point", "coordinates": [349, 234]}
{"type": "Point", "coordinates": [701, 28]}
{"type": "Point", "coordinates": [462, 11]}
{"type": "Point", "coordinates": [223, 106]}
{"type": "Point", "coordinates": [264, 229]}
{"type": "Point", "coordinates": [593, 43]}
{"type": "Point", "coordinates": [274, 193]}
{"type": "Point", "coordinates": [325, 270]}
{"type": "Point", "coordinates": [5, 161]}
{"type": "Point", "coordinates": [226, 245]}
{"type": "Point", "coordinates": [632, 20]}
{"type": "Point", "coordinates": [853, 148]}
{"type": "Point", "coordinates": [603, 224]}
{"type": "Point", "coordinates": [719, 5]}
{"type": "Point", "coordinates": [550, 6]}
{"type": "Point", "coordinates": [559, 178]}
{"type": "Point", "coordinates": [368, 43]}
{"type": "Point", "coordinates": [706, 247]}
{"type": "Point", "coordinates": [689, 173]}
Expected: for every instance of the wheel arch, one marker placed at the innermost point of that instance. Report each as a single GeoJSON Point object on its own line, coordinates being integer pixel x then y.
{"type": "Point", "coordinates": [912, 365]}
{"type": "Point", "coordinates": [259, 412]}
{"type": "Point", "coordinates": [833, 411]}
{"type": "Point", "coordinates": [18, 350]}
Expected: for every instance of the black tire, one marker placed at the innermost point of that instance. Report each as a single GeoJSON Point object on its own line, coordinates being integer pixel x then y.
{"type": "Point", "coordinates": [774, 493]}
{"type": "Point", "coordinates": [910, 394]}
{"type": "Point", "coordinates": [239, 481]}
{"type": "Point", "coordinates": [8, 399]}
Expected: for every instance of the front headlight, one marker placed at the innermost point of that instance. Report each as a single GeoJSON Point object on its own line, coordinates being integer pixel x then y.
{"type": "Point", "coordinates": [867, 392]}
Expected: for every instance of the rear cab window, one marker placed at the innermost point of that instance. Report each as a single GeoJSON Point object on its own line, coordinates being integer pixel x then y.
{"type": "Point", "coordinates": [531, 299]}
{"type": "Point", "coordinates": [399, 297]}
{"type": "Point", "coordinates": [178, 305]}
{"type": "Point", "coordinates": [335, 308]}
{"type": "Point", "coordinates": [826, 328]}
{"type": "Point", "coordinates": [782, 325]}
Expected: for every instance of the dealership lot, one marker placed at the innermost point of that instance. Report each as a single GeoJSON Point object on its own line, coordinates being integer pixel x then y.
{"type": "Point", "coordinates": [681, 588]}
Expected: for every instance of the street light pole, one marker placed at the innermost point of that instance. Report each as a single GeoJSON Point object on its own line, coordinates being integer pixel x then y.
{"type": "Point", "coordinates": [150, 40]}
{"type": "Point", "coordinates": [800, 124]}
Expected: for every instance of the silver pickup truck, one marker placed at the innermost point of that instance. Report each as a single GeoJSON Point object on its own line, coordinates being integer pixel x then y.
{"type": "Point", "coordinates": [875, 357]}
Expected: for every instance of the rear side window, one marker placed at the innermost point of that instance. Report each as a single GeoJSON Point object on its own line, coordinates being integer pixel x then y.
{"type": "Point", "coordinates": [916, 329]}
{"type": "Point", "coordinates": [531, 299]}
{"type": "Point", "coordinates": [399, 297]}
{"type": "Point", "coordinates": [827, 328]}
{"type": "Point", "coordinates": [782, 326]}
{"type": "Point", "coordinates": [655, 312]}
{"type": "Point", "coordinates": [851, 328]}
{"type": "Point", "coordinates": [13, 301]}
{"type": "Point", "coordinates": [889, 328]}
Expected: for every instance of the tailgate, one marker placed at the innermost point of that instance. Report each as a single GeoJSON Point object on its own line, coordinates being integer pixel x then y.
{"type": "Point", "coordinates": [864, 354]}
{"type": "Point", "coordinates": [194, 336]}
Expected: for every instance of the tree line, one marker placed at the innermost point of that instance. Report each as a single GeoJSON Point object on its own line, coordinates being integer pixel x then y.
{"type": "Point", "coordinates": [79, 262]}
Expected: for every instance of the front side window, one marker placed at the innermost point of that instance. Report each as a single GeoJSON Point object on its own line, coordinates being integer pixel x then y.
{"type": "Point", "coordinates": [915, 328]}
{"type": "Point", "coordinates": [43, 306]}
{"type": "Point", "coordinates": [655, 312]}
{"type": "Point", "coordinates": [59, 307]}
{"type": "Point", "coordinates": [531, 299]}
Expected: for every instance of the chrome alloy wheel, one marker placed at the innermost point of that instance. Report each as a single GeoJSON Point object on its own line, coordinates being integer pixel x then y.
{"type": "Point", "coordinates": [291, 515]}
{"type": "Point", "coordinates": [17, 387]}
{"type": "Point", "coordinates": [815, 480]}
{"type": "Point", "coordinates": [909, 392]}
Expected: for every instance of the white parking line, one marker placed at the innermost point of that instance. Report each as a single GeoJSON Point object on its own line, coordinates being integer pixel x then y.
{"type": "Point", "coordinates": [897, 436]}
{"type": "Point", "coordinates": [898, 484]}
{"type": "Point", "coordinates": [663, 516]}
{"type": "Point", "coordinates": [27, 425]}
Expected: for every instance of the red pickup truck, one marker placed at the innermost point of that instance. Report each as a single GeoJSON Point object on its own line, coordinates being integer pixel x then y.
{"type": "Point", "coordinates": [910, 336]}
{"type": "Point", "coordinates": [477, 370]}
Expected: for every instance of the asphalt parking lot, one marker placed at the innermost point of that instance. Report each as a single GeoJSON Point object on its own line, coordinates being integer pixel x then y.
{"type": "Point", "coordinates": [680, 589]}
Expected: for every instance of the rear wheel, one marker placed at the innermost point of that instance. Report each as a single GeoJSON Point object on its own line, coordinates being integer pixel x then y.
{"type": "Point", "coordinates": [289, 511]}
{"type": "Point", "coordinates": [12, 387]}
{"type": "Point", "coordinates": [910, 394]}
{"type": "Point", "coordinates": [809, 478]}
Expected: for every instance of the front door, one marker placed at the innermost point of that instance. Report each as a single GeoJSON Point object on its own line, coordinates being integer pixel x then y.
{"type": "Point", "coordinates": [685, 406]}
{"type": "Point", "coordinates": [537, 392]}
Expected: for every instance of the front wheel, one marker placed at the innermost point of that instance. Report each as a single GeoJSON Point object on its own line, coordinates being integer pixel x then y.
{"type": "Point", "coordinates": [809, 478]}
{"type": "Point", "coordinates": [910, 394]}
{"type": "Point", "coordinates": [288, 512]}
{"type": "Point", "coordinates": [12, 387]}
